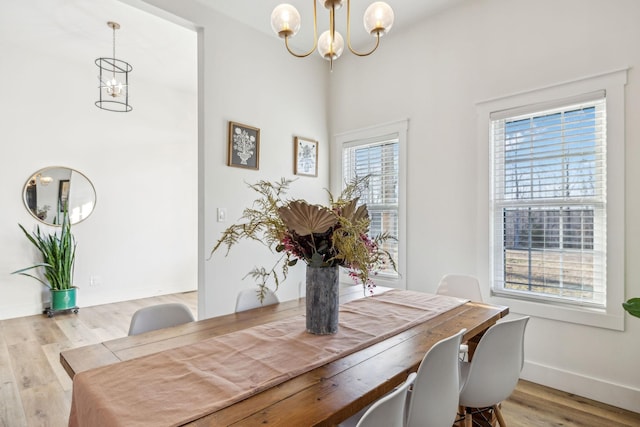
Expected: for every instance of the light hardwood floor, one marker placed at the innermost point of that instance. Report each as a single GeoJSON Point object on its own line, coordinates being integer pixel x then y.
{"type": "Point", "coordinates": [36, 391]}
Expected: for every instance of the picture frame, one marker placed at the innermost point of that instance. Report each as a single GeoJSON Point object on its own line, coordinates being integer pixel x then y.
{"type": "Point", "coordinates": [305, 156]}
{"type": "Point", "coordinates": [244, 146]}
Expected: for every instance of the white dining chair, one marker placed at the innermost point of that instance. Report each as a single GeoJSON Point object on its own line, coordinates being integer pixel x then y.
{"type": "Point", "coordinates": [249, 298]}
{"type": "Point", "coordinates": [460, 286]}
{"type": "Point", "coordinates": [158, 317]}
{"type": "Point", "coordinates": [388, 411]}
{"type": "Point", "coordinates": [493, 373]}
{"type": "Point", "coordinates": [433, 397]}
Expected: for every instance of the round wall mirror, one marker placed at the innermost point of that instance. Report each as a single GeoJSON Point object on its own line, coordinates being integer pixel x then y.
{"type": "Point", "coordinates": [49, 190]}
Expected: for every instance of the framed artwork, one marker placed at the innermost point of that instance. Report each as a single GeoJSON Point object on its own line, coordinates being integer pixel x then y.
{"type": "Point", "coordinates": [305, 158]}
{"type": "Point", "coordinates": [244, 146]}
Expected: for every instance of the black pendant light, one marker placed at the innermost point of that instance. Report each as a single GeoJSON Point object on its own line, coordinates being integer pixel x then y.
{"type": "Point", "coordinates": [114, 80]}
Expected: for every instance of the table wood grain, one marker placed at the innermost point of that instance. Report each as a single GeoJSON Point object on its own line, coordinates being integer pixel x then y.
{"type": "Point", "coordinates": [321, 397]}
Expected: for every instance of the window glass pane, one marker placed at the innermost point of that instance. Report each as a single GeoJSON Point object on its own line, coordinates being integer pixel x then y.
{"type": "Point", "coordinates": [549, 203]}
{"type": "Point", "coordinates": [378, 160]}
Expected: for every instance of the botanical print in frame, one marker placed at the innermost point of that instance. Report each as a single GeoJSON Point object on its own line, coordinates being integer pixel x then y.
{"type": "Point", "coordinates": [305, 157]}
{"type": "Point", "coordinates": [244, 146]}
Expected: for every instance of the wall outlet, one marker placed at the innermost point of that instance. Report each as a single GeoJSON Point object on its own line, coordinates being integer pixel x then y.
{"type": "Point", "coordinates": [95, 281]}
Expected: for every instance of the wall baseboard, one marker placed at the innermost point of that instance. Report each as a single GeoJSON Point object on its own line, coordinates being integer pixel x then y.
{"type": "Point", "coordinates": [20, 310]}
{"type": "Point", "coordinates": [90, 297]}
{"type": "Point", "coordinates": [618, 395]}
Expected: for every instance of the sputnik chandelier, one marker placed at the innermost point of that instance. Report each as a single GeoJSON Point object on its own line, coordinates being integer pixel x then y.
{"type": "Point", "coordinates": [114, 80]}
{"type": "Point", "coordinates": [285, 21]}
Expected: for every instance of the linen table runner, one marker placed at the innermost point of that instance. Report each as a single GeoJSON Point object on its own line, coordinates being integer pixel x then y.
{"type": "Point", "coordinates": [180, 385]}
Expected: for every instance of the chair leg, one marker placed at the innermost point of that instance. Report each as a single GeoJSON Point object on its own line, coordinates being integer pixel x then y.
{"type": "Point", "coordinates": [496, 410]}
{"type": "Point", "coordinates": [468, 419]}
{"type": "Point", "coordinates": [459, 421]}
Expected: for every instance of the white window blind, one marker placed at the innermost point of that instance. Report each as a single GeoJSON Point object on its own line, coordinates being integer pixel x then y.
{"type": "Point", "coordinates": [379, 160]}
{"type": "Point", "coordinates": [549, 200]}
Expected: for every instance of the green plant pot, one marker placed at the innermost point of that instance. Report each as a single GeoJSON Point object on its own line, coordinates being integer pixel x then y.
{"type": "Point", "coordinates": [63, 299]}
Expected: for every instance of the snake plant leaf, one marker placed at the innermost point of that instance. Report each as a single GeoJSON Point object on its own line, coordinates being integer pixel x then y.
{"type": "Point", "coordinates": [58, 255]}
{"type": "Point", "coordinates": [632, 306]}
{"type": "Point", "coordinates": [305, 219]}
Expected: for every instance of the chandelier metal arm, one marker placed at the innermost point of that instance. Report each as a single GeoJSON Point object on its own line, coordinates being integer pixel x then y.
{"type": "Point", "coordinates": [366, 53]}
{"type": "Point", "coordinates": [302, 55]}
{"type": "Point", "coordinates": [355, 52]}
{"type": "Point", "coordinates": [315, 36]}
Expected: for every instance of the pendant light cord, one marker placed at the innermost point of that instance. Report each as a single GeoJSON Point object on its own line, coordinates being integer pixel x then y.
{"type": "Point", "coordinates": [114, 52]}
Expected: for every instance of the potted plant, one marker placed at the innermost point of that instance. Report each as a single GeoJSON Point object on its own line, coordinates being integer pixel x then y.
{"type": "Point", "coordinates": [58, 252]}
{"type": "Point", "coordinates": [324, 237]}
{"type": "Point", "coordinates": [632, 306]}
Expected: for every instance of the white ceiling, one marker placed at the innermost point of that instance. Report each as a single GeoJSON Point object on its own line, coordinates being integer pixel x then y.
{"type": "Point", "coordinates": [76, 30]}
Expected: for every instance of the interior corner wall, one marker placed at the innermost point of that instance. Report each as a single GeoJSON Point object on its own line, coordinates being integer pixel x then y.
{"type": "Point", "coordinates": [248, 77]}
{"type": "Point", "coordinates": [435, 74]}
{"type": "Point", "coordinates": [141, 239]}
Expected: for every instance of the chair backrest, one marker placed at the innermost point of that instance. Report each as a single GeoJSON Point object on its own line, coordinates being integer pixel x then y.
{"type": "Point", "coordinates": [389, 410]}
{"type": "Point", "coordinates": [433, 401]}
{"type": "Point", "coordinates": [249, 298]}
{"type": "Point", "coordinates": [493, 373]}
{"type": "Point", "coordinates": [460, 286]}
{"type": "Point", "coordinates": [158, 317]}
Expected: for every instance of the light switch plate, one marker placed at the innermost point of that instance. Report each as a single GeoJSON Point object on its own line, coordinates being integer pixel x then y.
{"type": "Point", "coordinates": [222, 214]}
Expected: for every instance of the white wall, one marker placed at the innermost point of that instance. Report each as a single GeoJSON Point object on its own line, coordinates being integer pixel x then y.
{"type": "Point", "coordinates": [141, 239]}
{"type": "Point", "coordinates": [249, 78]}
{"type": "Point", "coordinates": [435, 75]}
{"type": "Point", "coordinates": [160, 174]}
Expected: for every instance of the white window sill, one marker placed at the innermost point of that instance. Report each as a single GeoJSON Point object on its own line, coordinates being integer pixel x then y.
{"type": "Point", "coordinates": [601, 318]}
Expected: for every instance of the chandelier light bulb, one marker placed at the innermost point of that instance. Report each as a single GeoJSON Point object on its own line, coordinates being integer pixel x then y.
{"type": "Point", "coordinates": [330, 49]}
{"type": "Point", "coordinates": [114, 88]}
{"type": "Point", "coordinates": [285, 20]}
{"type": "Point", "coordinates": [378, 18]}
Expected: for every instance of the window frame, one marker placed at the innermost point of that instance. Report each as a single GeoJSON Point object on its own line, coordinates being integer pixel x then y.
{"type": "Point", "coordinates": [365, 136]}
{"type": "Point", "coordinates": [613, 83]}
{"type": "Point", "coordinates": [543, 205]}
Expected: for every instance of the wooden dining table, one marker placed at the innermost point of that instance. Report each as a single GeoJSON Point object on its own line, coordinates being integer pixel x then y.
{"type": "Point", "coordinates": [323, 396]}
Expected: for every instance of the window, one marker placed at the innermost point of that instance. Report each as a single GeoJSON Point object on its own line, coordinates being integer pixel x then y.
{"type": "Point", "coordinates": [378, 153]}
{"type": "Point", "coordinates": [550, 201]}
{"type": "Point", "coordinates": [379, 161]}
{"type": "Point", "coordinates": [554, 218]}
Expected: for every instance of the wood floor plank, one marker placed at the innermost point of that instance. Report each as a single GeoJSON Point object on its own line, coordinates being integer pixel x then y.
{"type": "Point", "coordinates": [46, 405]}
{"type": "Point", "coordinates": [76, 331]}
{"type": "Point", "coordinates": [52, 353]}
{"type": "Point", "coordinates": [36, 328]}
{"type": "Point", "coordinates": [11, 410]}
{"type": "Point", "coordinates": [535, 405]}
{"type": "Point", "coordinates": [30, 365]}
